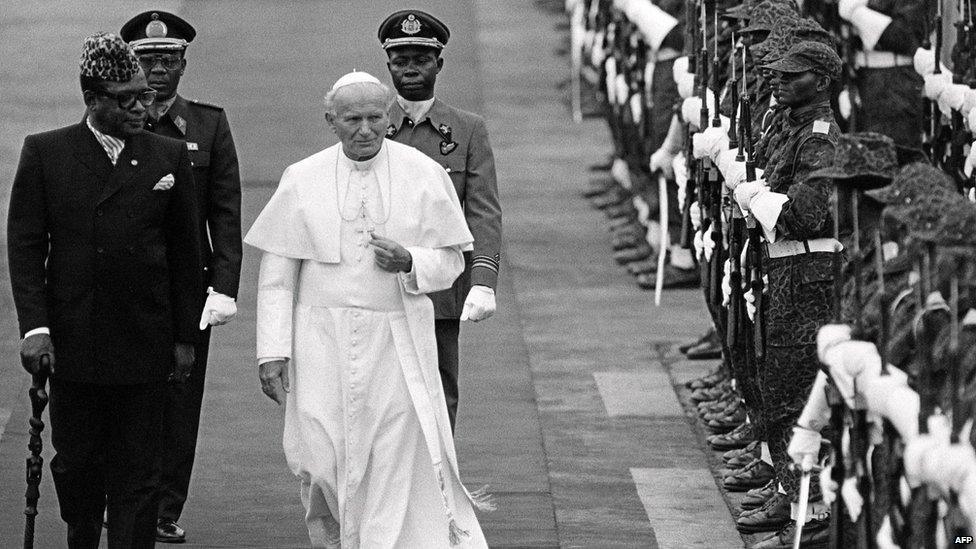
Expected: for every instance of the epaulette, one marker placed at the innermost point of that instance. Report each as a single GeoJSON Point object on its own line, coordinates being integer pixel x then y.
{"type": "Point", "coordinates": [202, 104]}
{"type": "Point", "coordinates": [821, 127]}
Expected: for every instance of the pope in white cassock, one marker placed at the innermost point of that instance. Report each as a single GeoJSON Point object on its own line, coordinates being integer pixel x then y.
{"type": "Point", "coordinates": [353, 239]}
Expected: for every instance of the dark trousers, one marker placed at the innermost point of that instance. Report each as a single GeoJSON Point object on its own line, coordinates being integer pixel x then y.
{"type": "Point", "coordinates": [181, 421]}
{"type": "Point", "coordinates": [446, 330]}
{"type": "Point", "coordinates": [106, 439]}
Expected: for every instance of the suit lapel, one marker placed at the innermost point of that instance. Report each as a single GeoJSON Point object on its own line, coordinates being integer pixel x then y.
{"type": "Point", "coordinates": [90, 153]}
{"type": "Point", "coordinates": [130, 162]}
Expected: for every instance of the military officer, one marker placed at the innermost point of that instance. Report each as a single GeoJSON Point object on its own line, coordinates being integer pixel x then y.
{"type": "Point", "coordinates": [458, 140]}
{"type": "Point", "coordinates": [160, 40]}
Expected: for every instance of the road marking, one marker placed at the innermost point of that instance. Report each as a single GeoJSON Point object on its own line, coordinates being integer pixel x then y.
{"type": "Point", "coordinates": [685, 508]}
{"type": "Point", "coordinates": [645, 394]}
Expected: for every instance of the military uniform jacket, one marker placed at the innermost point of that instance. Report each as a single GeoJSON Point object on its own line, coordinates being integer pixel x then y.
{"type": "Point", "coordinates": [106, 257]}
{"type": "Point", "coordinates": [800, 286]}
{"type": "Point", "coordinates": [906, 32]}
{"type": "Point", "coordinates": [458, 141]}
{"type": "Point", "coordinates": [218, 186]}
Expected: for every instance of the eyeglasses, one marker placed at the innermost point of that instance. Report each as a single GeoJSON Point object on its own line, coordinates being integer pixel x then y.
{"type": "Point", "coordinates": [169, 62]}
{"type": "Point", "coordinates": [128, 100]}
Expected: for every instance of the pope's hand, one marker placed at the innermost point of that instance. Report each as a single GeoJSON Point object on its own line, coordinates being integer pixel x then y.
{"type": "Point", "coordinates": [183, 356]}
{"type": "Point", "coordinates": [274, 380]}
{"type": "Point", "coordinates": [480, 303]}
{"type": "Point", "coordinates": [218, 310]}
{"type": "Point", "coordinates": [390, 256]}
{"type": "Point", "coordinates": [32, 349]}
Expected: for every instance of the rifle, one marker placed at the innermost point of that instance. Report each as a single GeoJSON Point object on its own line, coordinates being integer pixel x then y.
{"type": "Point", "coordinates": [962, 58]}
{"type": "Point", "coordinates": [715, 185]}
{"type": "Point", "coordinates": [691, 188]}
{"type": "Point", "coordinates": [737, 225]}
{"type": "Point", "coordinates": [834, 398]}
{"type": "Point", "coordinates": [752, 229]}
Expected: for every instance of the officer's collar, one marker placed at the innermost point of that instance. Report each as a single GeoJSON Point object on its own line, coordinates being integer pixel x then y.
{"type": "Point", "coordinates": [437, 115]}
{"type": "Point", "coordinates": [177, 113]}
{"type": "Point", "coordinates": [805, 114]}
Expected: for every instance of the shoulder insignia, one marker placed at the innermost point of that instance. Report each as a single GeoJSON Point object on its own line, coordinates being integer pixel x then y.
{"type": "Point", "coordinates": [821, 126]}
{"type": "Point", "coordinates": [202, 104]}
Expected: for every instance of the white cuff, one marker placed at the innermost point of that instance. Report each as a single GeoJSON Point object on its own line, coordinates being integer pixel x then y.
{"type": "Point", "coordinates": [766, 207]}
{"type": "Point", "coordinates": [266, 359]}
{"type": "Point", "coordinates": [870, 25]}
{"type": "Point", "coordinates": [35, 331]}
{"type": "Point", "coordinates": [409, 278]}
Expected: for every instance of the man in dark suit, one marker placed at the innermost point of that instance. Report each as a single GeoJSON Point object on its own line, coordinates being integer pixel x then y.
{"type": "Point", "coordinates": [160, 40]}
{"type": "Point", "coordinates": [457, 140]}
{"type": "Point", "coordinates": [104, 255]}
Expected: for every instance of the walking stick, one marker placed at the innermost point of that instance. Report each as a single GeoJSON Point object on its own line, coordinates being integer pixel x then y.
{"type": "Point", "coordinates": [35, 463]}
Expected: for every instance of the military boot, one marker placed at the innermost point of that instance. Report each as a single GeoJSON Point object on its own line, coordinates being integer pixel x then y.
{"type": "Point", "coordinates": [673, 278]}
{"type": "Point", "coordinates": [620, 222]}
{"type": "Point", "coordinates": [706, 350]}
{"type": "Point", "coordinates": [729, 408]}
{"type": "Point", "coordinates": [773, 515]}
{"type": "Point", "coordinates": [625, 209]}
{"type": "Point", "coordinates": [716, 392]}
{"type": "Point", "coordinates": [727, 422]}
{"type": "Point", "coordinates": [752, 448]}
{"type": "Point", "coordinates": [755, 498]}
{"type": "Point", "coordinates": [754, 475]}
{"type": "Point", "coordinates": [614, 195]}
{"type": "Point", "coordinates": [708, 381]}
{"type": "Point", "coordinates": [684, 349]}
{"type": "Point", "coordinates": [627, 238]}
{"type": "Point", "coordinates": [639, 252]}
{"type": "Point", "coordinates": [815, 535]}
{"type": "Point", "coordinates": [745, 458]}
{"type": "Point", "coordinates": [647, 266]}
{"type": "Point", "coordinates": [737, 438]}
{"type": "Point", "coordinates": [597, 186]}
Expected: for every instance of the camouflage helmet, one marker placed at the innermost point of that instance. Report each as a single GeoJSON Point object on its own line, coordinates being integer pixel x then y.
{"type": "Point", "coordinates": [770, 14]}
{"type": "Point", "coordinates": [808, 55]}
{"type": "Point", "coordinates": [785, 36]}
{"type": "Point", "coordinates": [864, 160]}
{"type": "Point", "coordinates": [914, 183]}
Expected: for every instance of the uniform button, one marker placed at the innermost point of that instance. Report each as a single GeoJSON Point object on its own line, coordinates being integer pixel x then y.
{"type": "Point", "coordinates": [135, 162]}
{"type": "Point", "coordinates": [100, 250]}
{"type": "Point", "coordinates": [99, 213]}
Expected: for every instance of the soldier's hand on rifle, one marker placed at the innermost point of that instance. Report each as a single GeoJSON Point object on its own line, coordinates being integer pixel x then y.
{"type": "Point", "coordinates": [32, 348]}
{"type": "Point", "coordinates": [183, 356]}
{"type": "Point", "coordinates": [845, 8]}
{"type": "Point", "coordinates": [661, 161]}
{"type": "Point", "coordinates": [726, 282]}
{"type": "Point", "coordinates": [274, 380]}
{"type": "Point", "coordinates": [924, 61]}
{"type": "Point", "coordinates": [744, 193]}
{"type": "Point", "coordinates": [750, 300]}
{"type": "Point", "coordinates": [804, 447]}
{"type": "Point", "coordinates": [710, 142]}
{"type": "Point", "coordinates": [970, 160]}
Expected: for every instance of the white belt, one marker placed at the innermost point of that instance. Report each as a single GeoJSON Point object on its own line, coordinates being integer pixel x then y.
{"type": "Point", "coordinates": [786, 248]}
{"type": "Point", "coordinates": [881, 60]}
{"type": "Point", "coordinates": [666, 54]}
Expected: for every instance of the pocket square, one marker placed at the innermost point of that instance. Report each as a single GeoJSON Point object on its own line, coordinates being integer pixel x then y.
{"type": "Point", "coordinates": [166, 183]}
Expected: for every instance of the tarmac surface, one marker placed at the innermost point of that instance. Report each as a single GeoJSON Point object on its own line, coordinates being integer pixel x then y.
{"type": "Point", "coordinates": [568, 407]}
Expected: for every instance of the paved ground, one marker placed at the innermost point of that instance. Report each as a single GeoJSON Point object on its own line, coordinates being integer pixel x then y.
{"type": "Point", "coordinates": [568, 409]}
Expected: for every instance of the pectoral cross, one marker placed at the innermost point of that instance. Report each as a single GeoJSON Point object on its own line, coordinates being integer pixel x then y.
{"type": "Point", "coordinates": [366, 229]}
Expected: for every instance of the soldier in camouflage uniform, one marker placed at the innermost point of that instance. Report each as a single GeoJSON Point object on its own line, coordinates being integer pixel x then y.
{"type": "Point", "coordinates": [798, 257]}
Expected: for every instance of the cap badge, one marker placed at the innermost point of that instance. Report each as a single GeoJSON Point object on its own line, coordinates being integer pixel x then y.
{"type": "Point", "coordinates": [447, 147]}
{"type": "Point", "coordinates": [391, 130]}
{"type": "Point", "coordinates": [156, 28]}
{"type": "Point", "coordinates": [410, 25]}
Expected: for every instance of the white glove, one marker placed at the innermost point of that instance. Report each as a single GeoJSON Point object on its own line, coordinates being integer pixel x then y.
{"type": "Point", "coordinates": [971, 120]}
{"type": "Point", "coordinates": [218, 310]}
{"type": "Point", "coordinates": [828, 488]}
{"type": "Point", "coordinates": [662, 160]}
{"type": "Point", "coordinates": [680, 168]}
{"type": "Point", "coordinates": [951, 467]}
{"type": "Point", "coordinates": [708, 245]}
{"type": "Point", "coordinates": [750, 300]}
{"type": "Point", "coordinates": [918, 450]}
{"type": "Point", "coordinates": [691, 108]}
{"type": "Point", "coordinates": [970, 160]}
{"type": "Point", "coordinates": [830, 335]}
{"type": "Point", "coordinates": [844, 104]}
{"type": "Point", "coordinates": [709, 142]}
{"type": "Point", "coordinates": [852, 498]}
{"type": "Point", "coordinates": [698, 242]}
{"type": "Point", "coordinates": [694, 212]}
{"type": "Point", "coordinates": [734, 175]}
{"type": "Point", "coordinates": [726, 283]}
{"type": "Point", "coordinates": [953, 98]}
{"type": "Point", "coordinates": [967, 498]}
{"type": "Point", "coordinates": [804, 447]}
{"type": "Point", "coordinates": [480, 303]}
{"type": "Point", "coordinates": [848, 361]}
{"type": "Point", "coordinates": [845, 8]}
{"type": "Point", "coordinates": [744, 193]}
{"type": "Point", "coordinates": [935, 84]}
{"type": "Point", "coordinates": [679, 67]}
{"type": "Point", "coordinates": [924, 61]}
